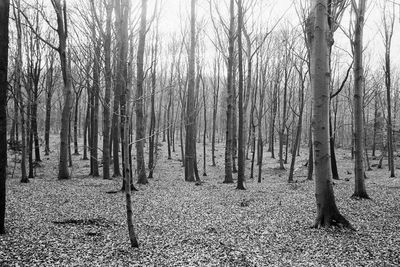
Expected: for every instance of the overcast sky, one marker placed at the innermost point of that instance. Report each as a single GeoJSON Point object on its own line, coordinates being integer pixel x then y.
{"type": "Point", "coordinates": [269, 11]}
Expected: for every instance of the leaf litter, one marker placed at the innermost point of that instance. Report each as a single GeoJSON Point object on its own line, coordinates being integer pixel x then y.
{"type": "Point", "coordinates": [75, 223]}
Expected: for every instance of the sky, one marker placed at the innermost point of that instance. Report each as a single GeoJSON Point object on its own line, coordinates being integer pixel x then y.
{"type": "Point", "coordinates": [269, 11]}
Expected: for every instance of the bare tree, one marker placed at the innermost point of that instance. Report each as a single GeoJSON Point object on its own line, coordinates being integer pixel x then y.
{"type": "Point", "coordinates": [241, 132]}
{"type": "Point", "coordinates": [190, 143]}
{"type": "Point", "coordinates": [357, 47]}
{"type": "Point", "coordinates": [388, 24]}
{"type": "Point", "coordinates": [327, 211]}
{"type": "Point", "coordinates": [140, 119]}
{"type": "Point", "coordinates": [4, 12]}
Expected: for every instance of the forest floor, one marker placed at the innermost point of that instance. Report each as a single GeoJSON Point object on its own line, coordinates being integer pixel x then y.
{"type": "Point", "coordinates": [76, 223]}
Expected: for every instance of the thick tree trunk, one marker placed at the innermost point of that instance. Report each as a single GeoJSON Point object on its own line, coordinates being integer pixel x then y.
{"type": "Point", "coordinates": [107, 92]}
{"type": "Point", "coordinates": [4, 12]}
{"type": "Point", "coordinates": [359, 189]}
{"type": "Point", "coordinates": [190, 142]}
{"type": "Point", "coordinates": [140, 119]}
{"type": "Point", "coordinates": [230, 96]}
{"type": "Point", "coordinates": [63, 172]}
{"type": "Point", "coordinates": [327, 211]}
{"type": "Point", "coordinates": [241, 131]}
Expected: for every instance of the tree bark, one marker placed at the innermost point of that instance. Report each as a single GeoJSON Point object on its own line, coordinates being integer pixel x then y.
{"type": "Point", "coordinates": [230, 96]}
{"type": "Point", "coordinates": [107, 91]}
{"type": "Point", "coordinates": [190, 142]}
{"type": "Point", "coordinates": [357, 43]}
{"type": "Point", "coordinates": [327, 211]}
{"type": "Point", "coordinates": [140, 119]}
{"type": "Point", "coordinates": [4, 12]}
{"type": "Point", "coordinates": [241, 131]}
{"type": "Point", "coordinates": [62, 30]}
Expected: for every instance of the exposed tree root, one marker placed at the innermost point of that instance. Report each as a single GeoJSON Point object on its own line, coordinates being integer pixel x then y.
{"type": "Point", "coordinates": [360, 196]}
{"type": "Point", "coordinates": [330, 220]}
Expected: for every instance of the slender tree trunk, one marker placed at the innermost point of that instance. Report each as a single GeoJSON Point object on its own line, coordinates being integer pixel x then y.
{"type": "Point", "coordinates": [86, 130]}
{"type": "Point", "coordinates": [76, 150]}
{"type": "Point", "coordinates": [335, 174]}
{"type": "Point", "coordinates": [205, 128]}
{"type": "Point", "coordinates": [299, 125]}
{"type": "Point", "coordinates": [215, 110]}
{"type": "Point", "coordinates": [388, 38]}
{"type": "Point", "coordinates": [49, 94]}
{"type": "Point", "coordinates": [152, 137]}
{"type": "Point", "coordinates": [140, 119]}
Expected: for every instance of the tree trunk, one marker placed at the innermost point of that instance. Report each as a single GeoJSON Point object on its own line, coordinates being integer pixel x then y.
{"type": "Point", "coordinates": [241, 131]}
{"type": "Point", "coordinates": [49, 94]}
{"type": "Point", "coordinates": [140, 119]}
{"type": "Point", "coordinates": [152, 146]}
{"type": "Point", "coordinates": [76, 150]}
{"type": "Point", "coordinates": [205, 128]}
{"type": "Point", "coordinates": [86, 130]}
{"type": "Point", "coordinates": [327, 211]}
{"type": "Point", "coordinates": [335, 174]}
{"type": "Point", "coordinates": [94, 133]}
{"type": "Point", "coordinates": [299, 124]}
{"type": "Point", "coordinates": [190, 142]}
{"type": "Point", "coordinates": [359, 189]}
{"type": "Point", "coordinates": [387, 68]}
{"type": "Point", "coordinates": [215, 109]}
{"type": "Point", "coordinates": [4, 12]}
{"type": "Point", "coordinates": [61, 11]}
{"type": "Point", "coordinates": [230, 96]}
{"type": "Point", "coordinates": [107, 92]}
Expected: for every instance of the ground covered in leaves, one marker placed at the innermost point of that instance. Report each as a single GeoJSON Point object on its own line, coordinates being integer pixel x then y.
{"type": "Point", "coordinates": [76, 223]}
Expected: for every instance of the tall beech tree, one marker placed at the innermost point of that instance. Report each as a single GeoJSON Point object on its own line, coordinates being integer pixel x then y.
{"type": "Point", "coordinates": [140, 118]}
{"type": "Point", "coordinates": [327, 211]}
{"type": "Point", "coordinates": [4, 12]}
{"type": "Point", "coordinates": [357, 45]}
{"type": "Point", "coordinates": [190, 141]}
{"type": "Point", "coordinates": [107, 92]}
{"type": "Point", "coordinates": [241, 131]}
{"type": "Point", "coordinates": [230, 97]}
{"type": "Point", "coordinates": [388, 24]}
{"type": "Point", "coordinates": [62, 31]}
